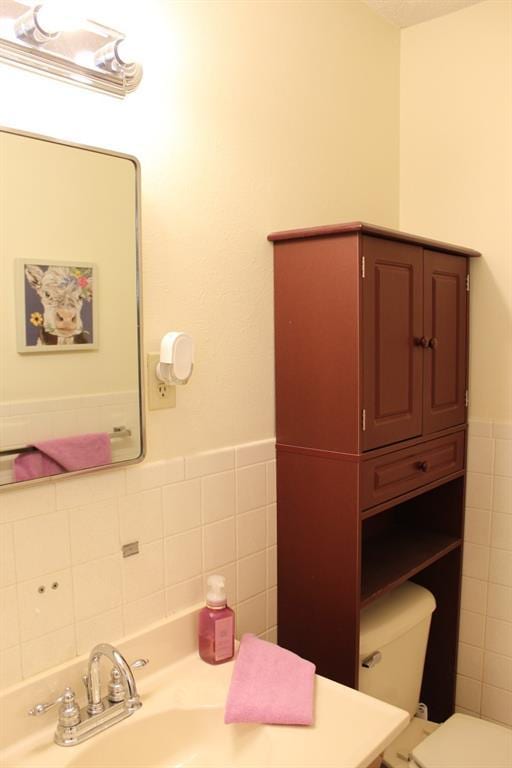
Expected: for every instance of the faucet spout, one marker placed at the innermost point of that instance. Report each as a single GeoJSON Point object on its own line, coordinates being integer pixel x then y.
{"type": "Point", "coordinates": [95, 705]}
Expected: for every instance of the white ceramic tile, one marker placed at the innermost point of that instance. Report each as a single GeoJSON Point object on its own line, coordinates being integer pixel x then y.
{"type": "Point", "coordinates": [143, 574]}
{"type": "Point", "coordinates": [174, 470]}
{"type": "Point", "coordinates": [271, 482]}
{"type": "Point", "coordinates": [468, 693]}
{"type": "Point", "coordinates": [501, 537]}
{"type": "Point", "coordinates": [219, 544]}
{"type": "Point", "coordinates": [470, 661]}
{"type": "Point", "coordinates": [104, 628]}
{"type": "Point", "coordinates": [41, 545]}
{"type": "Point", "coordinates": [7, 568]}
{"type": "Point", "coordinates": [144, 476]}
{"type": "Point", "coordinates": [209, 462]}
{"type": "Point", "coordinates": [251, 532]}
{"type": "Point", "coordinates": [218, 497]}
{"type": "Point", "coordinates": [229, 573]}
{"type": "Point", "coordinates": [480, 454]}
{"type": "Point", "coordinates": [251, 487]}
{"type": "Point", "coordinates": [497, 670]}
{"type": "Point", "coordinates": [181, 504]}
{"type": "Point", "coordinates": [480, 429]}
{"type": "Point", "coordinates": [94, 531]}
{"type": "Point", "coordinates": [271, 525]}
{"type": "Point", "coordinates": [499, 602]}
{"type": "Point", "coordinates": [48, 651]}
{"type": "Point", "coordinates": [271, 566]}
{"type": "Point", "coordinates": [143, 612]}
{"type": "Point", "coordinates": [498, 636]}
{"type": "Point", "coordinates": [10, 666]}
{"type": "Point", "coordinates": [184, 595]}
{"type": "Point", "coordinates": [252, 577]}
{"type": "Point", "coordinates": [97, 486]}
{"type": "Point", "coordinates": [19, 503]}
{"type": "Point", "coordinates": [477, 526]}
{"type": "Point", "coordinates": [497, 704]}
{"type": "Point", "coordinates": [272, 607]}
{"type": "Point", "coordinates": [251, 615]}
{"type": "Point", "coordinates": [503, 458]}
{"type": "Point", "coordinates": [474, 595]}
{"type": "Point", "coordinates": [502, 497]}
{"type": "Point", "coordinates": [500, 567]}
{"type": "Point", "coordinates": [476, 561]}
{"type": "Point", "coordinates": [254, 453]}
{"type": "Point", "coordinates": [472, 629]}
{"type": "Point", "coordinates": [140, 516]}
{"type": "Point", "coordinates": [9, 627]}
{"type": "Point", "coordinates": [183, 556]}
{"type": "Point", "coordinates": [502, 430]}
{"type": "Point", "coordinates": [271, 635]}
{"type": "Point", "coordinates": [41, 612]}
{"type": "Point", "coordinates": [97, 587]}
{"type": "Point", "coordinates": [478, 490]}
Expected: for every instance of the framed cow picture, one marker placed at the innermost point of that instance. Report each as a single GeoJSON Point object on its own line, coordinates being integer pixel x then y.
{"type": "Point", "coordinates": [56, 306]}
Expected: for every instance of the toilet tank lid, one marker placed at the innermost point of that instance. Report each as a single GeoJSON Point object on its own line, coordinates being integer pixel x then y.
{"type": "Point", "coordinates": [465, 742]}
{"type": "Point", "coordinates": [392, 615]}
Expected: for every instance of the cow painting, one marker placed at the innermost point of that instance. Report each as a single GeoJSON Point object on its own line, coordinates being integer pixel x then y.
{"type": "Point", "coordinates": [62, 294]}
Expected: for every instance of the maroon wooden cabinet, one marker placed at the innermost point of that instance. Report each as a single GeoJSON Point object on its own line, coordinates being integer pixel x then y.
{"type": "Point", "coordinates": [371, 404]}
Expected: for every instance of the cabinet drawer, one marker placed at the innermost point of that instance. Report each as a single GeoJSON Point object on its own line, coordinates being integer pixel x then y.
{"type": "Point", "coordinates": [403, 471]}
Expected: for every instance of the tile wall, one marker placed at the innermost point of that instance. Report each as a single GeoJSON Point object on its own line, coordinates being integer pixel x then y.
{"type": "Point", "coordinates": [65, 586]}
{"type": "Point", "coordinates": [484, 681]}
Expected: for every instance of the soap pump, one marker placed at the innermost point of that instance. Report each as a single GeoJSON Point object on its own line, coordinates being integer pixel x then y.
{"type": "Point", "coordinates": [216, 624]}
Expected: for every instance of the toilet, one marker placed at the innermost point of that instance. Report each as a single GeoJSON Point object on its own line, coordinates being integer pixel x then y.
{"type": "Point", "coordinates": [393, 642]}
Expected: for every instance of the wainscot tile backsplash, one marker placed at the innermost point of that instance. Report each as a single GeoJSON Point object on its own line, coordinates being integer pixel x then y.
{"type": "Point", "coordinates": [484, 680]}
{"type": "Point", "coordinates": [65, 586]}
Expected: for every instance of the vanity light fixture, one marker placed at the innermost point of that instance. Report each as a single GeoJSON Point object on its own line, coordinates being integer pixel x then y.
{"type": "Point", "coordinates": [44, 38]}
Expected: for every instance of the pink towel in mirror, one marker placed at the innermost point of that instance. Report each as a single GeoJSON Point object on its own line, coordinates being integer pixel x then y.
{"type": "Point", "coordinates": [65, 454]}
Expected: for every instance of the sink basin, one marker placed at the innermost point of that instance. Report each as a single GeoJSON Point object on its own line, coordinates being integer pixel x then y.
{"type": "Point", "coordinates": [177, 737]}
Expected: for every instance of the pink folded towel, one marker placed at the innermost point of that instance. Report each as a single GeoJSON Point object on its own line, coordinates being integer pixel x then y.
{"type": "Point", "coordinates": [270, 685]}
{"type": "Point", "coordinates": [66, 454]}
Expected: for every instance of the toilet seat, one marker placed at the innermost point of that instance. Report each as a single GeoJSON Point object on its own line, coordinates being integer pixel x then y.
{"type": "Point", "coordinates": [465, 742]}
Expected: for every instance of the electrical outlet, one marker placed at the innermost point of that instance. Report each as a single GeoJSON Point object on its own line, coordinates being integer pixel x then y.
{"type": "Point", "coordinates": [160, 395]}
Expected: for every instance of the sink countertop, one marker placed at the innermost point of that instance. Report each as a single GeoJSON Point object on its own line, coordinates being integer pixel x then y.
{"type": "Point", "coordinates": [181, 723]}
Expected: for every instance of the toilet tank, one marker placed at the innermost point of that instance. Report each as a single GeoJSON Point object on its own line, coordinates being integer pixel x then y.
{"type": "Point", "coordinates": [393, 641]}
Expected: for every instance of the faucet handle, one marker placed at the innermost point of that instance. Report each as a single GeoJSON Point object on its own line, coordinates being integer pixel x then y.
{"type": "Point", "coordinates": [139, 663]}
{"type": "Point", "coordinates": [67, 697]}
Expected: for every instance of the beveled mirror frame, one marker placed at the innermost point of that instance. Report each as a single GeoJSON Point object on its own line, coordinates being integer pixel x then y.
{"type": "Point", "coordinates": [138, 285]}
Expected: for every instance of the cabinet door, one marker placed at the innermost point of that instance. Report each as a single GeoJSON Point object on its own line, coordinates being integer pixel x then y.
{"type": "Point", "coordinates": [392, 355]}
{"type": "Point", "coordinates": [445, 326]}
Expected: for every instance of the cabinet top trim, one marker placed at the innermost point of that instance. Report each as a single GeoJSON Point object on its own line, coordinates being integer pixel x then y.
{"type": "Point", "coordinates": [370, 229]}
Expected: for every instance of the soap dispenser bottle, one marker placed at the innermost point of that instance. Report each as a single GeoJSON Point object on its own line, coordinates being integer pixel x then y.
{"type": "Point", "coordinates": [216, 624]}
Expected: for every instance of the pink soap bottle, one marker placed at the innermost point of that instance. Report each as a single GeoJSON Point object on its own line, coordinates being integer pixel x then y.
{"type": "Point", "coordinates": [216, 624]}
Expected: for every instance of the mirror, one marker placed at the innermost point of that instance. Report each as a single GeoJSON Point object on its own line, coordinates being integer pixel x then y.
{"type": "Point", "coordinates": [70, 335]}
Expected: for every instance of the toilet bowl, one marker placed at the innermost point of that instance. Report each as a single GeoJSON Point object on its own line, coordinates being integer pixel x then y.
{"type": "Point", "coordinates": [392, 647]}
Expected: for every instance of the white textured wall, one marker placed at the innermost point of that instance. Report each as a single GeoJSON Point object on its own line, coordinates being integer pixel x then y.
{"type": "Point", "coordinates": [456, 172]}
{"type": "Point", "coordinates": [251, 117]}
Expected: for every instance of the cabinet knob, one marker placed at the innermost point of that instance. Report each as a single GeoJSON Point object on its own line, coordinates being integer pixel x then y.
{"type": "Point", "coordinates": [421, 342]}
{"type": "Point", "coordinates": [423, 465]}
{"type": "Point", "coordinates": [433, 343]}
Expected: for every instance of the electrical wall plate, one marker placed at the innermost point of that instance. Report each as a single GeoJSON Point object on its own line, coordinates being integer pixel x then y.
{"type": "Point", "coordinates": [160, 395]}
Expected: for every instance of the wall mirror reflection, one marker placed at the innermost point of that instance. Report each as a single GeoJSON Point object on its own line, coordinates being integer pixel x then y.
{"type": "Point", "coordinates": [70, 336]}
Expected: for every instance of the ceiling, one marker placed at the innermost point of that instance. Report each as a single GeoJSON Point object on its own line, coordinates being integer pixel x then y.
{"type": "Point", "coordinates": [405, 13]}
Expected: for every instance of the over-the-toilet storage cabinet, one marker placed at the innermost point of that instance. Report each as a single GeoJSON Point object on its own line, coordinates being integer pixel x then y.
{"type": "Point", "coordinates": [371, 333]}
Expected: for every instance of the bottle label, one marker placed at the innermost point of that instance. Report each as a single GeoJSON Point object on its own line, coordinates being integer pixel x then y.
{"type": "Point", "coordinates": [224, 639]}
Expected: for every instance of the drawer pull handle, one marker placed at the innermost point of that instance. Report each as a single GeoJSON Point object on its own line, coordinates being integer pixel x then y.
{"type": "Point", "coordinates": [423, 465]}
{"type": "Point", "coordinates": [433, 343]}
{"type": "Point", "coordinates": [421, 342]}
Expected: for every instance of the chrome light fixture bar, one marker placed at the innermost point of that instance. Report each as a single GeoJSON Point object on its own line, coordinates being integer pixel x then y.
{"type": "Point", "coordinates": [82, 52]}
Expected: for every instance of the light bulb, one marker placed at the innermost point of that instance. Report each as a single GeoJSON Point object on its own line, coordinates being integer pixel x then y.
{"type": "Point", "coordinates": [57, 16]}
{"type": "Point", "coordinates": [126, 51]}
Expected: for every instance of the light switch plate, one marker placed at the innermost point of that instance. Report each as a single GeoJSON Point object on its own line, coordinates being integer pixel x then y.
{"type": "Point", "coordinates": [160, 395]}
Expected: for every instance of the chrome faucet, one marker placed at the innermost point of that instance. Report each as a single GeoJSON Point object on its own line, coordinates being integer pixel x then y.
{"type": "Point", "coordinates": [122, 700]}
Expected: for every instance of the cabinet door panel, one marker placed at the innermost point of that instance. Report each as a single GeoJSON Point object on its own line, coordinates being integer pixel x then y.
{"type": "Point", "coordinates": [392, 319]}
{"type": "Point", "coordinates": [445, 301]}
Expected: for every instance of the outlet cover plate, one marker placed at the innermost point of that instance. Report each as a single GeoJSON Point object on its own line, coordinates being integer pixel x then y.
{"type": "Point", "coordinates": [159, 395]}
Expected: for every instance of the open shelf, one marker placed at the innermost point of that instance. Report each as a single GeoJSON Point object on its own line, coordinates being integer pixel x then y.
{"type": "Point", "coordinates": [395, 556]}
